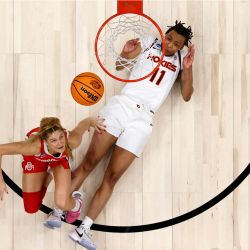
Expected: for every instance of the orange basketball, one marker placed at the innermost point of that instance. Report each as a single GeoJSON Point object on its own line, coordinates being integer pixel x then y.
{"type": "Point", "coordinates": [87, 88]}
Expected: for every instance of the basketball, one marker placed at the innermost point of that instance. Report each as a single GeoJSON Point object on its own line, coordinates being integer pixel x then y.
{"type": "Point", "coordinates": [87, 88]}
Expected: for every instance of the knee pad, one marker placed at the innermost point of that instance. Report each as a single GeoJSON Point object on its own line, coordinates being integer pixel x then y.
{"type": "Point", "coordinates": [32, 200]}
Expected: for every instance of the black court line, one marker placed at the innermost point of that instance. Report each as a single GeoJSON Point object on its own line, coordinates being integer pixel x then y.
{"type": "Point", "coordinates": [153, 226]}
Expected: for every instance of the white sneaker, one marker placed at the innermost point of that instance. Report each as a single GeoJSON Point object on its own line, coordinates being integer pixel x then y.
{"type": "Point", "coordinates": [54, 219]}
{"type": "Point", "coordinates": [82, 236]}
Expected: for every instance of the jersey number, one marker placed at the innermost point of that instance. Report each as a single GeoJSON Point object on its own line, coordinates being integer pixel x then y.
{"type": "Point", "coordinates": [158, 79]}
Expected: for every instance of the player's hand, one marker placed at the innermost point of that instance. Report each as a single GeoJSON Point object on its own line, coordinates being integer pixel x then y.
{"type": "Point", "coordinates": [3, 189]}
{"type": "Point", "coordinates": [97, 124]}
{"type": "Point", "coordinates": [132, 46]}
{"type": "Point", "coordinates": [189, 58]}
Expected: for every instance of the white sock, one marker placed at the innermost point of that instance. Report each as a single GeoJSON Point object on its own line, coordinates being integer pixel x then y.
{"type": "Point", "coordinates": [87, 222]}
{"type": "Point", "coordinates": [77, 206]}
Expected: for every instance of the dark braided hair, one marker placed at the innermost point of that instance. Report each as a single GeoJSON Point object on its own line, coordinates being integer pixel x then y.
{"type": "Point", "coordinates": [182, 30]}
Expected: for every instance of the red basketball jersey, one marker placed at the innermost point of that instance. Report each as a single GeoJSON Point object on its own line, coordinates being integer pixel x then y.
{"type": "Point", "coordinates": [44, 157]}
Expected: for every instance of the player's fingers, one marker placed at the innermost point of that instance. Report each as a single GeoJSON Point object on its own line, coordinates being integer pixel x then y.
{"type": "Point", "coordinates": [188, 54]}
{"type": "Point", "coordinates": [190, 49]}
{"type": "Point", "coordinates": [101, 127]}
{"type": "Point", "coordinates": [101, 120]}
{"type": "Point", "coordinates": [128, 43]}
{"type": "Point", "coordinates": [191, 54]}
{"type": "Point", "coordinates": [191, 46]}
{"type": "Point", "coordinates": [131, 41]}
{"type": "Point", "coordinates": [97, 130]}
{"type": "Point", "coordinates": [193, 50]}
{"type": "Point", "coordinates": [138, 44]}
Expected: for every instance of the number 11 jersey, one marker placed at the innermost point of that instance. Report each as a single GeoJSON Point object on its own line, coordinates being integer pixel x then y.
{"type": "Point", "coordinates": [153, 90]}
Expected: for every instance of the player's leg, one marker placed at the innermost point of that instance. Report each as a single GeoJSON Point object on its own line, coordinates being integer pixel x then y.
{"type": "Point", "coordinates": [64, 201]}
{"type": "Point", "coordinates": [112, 113]}
{"type": "Point", "coordinates": [62, 197]}
{"type": "Point", "coordinates": [99, 146]}
{"type": "Point", "coordinates": [129, 145]}
{"type": "Point", "coordinates": [120, 160]}
{"type": "Point", "coordinates": [33, 190]}
{"type": "Point", "coordinates": [48, 178]}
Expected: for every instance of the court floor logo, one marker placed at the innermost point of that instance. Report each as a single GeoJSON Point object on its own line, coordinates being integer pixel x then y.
{"type": "Point", "coordinates": [153, 226]}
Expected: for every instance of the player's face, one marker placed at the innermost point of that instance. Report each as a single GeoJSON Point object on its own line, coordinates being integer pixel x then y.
{"type": "Point", "coordinates": [174, 42]}
{"type": "Point", "coordinates": [56, 142]}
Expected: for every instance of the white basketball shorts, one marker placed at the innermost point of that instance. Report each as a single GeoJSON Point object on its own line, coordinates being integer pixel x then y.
{"type": "Point", "coordinates": [129, 121]}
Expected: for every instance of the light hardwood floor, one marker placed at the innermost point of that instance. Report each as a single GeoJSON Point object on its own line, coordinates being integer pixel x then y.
{"type": "Point", "coordinates": [196, 150]}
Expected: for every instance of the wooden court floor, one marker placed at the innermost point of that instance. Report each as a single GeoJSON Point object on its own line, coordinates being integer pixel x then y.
{"type": "Point", "coordinates": [196, 150]}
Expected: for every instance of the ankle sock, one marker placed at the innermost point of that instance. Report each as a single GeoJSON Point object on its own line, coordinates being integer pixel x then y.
{"type": "Point", "coordinates": [87, 222]}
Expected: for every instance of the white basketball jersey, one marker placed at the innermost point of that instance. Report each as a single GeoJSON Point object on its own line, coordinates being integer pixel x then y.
{"type": "Point", "coordinates": [153, 90]}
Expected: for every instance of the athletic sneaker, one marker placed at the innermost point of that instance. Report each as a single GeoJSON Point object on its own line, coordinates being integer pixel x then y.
{"type": "Point", "coordinates": [71, 215]}
{"type": "Point", "coordinates": [54, 219]}
{"type": "Point", "coordinates": [82, 236]}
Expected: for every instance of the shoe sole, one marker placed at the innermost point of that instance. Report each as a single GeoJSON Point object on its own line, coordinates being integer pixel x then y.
{"type": "Point", "coordinates": [71, 237]}
{"type": "Point", "coordinates": [51, 226]}
{"type": "Point", "coordinates": [82, 244]}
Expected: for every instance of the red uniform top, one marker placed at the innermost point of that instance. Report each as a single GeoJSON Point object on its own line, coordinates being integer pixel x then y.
{"type": "Point", "coordinates": [40, 162]}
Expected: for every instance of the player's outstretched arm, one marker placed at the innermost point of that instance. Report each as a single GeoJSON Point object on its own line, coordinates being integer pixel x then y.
{"type": "Point", "coordinates": [22, 147]}
{"type": "Point", "coordinates": [75, 136]}
{"type": "Point", "coordinates": [187, 74]}
{"type": "Point", "coordinates": [131, 50]}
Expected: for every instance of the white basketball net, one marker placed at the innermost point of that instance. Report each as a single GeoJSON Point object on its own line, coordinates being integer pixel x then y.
{"type": "Point", "coordinates": [114, 36]}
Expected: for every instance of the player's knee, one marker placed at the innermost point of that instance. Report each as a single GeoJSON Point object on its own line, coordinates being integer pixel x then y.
{"type": "Point", "coordinates": [111, 179]}
{"type": "Point", "coordinates": [90, 162]}
{"type": "Point", "coordinates": [32, 201]}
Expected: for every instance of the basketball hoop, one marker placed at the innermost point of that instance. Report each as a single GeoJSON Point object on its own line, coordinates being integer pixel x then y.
{"type": "Point", "coordinates": [129, 23]}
